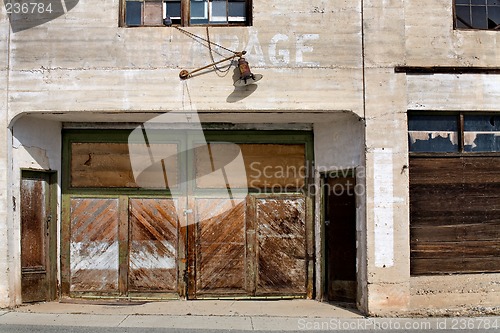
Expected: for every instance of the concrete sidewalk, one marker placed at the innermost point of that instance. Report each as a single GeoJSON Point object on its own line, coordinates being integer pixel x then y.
{"type": "Point", "coordinates": [238, 315]}
{"type": "Point", "coordinates": [281, 315]}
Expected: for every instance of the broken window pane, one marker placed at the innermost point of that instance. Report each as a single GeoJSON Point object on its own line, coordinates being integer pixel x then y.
{"type": "Point", "coordinates": [481, 133]}
{"type": "Point", "coordinates": [477, 14]}
{"type": "Point", "coordinates": [494, 16]}
{"type": "Point", "coordinates": [433, 133]}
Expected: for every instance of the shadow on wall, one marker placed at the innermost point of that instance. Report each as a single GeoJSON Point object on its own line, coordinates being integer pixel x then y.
{"type": "Point", "coordinates": [36, 143]}
{"type": "Point", "coordinates": [240, 93]}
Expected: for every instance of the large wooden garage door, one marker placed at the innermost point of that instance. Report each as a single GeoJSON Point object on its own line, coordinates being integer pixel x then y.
{"type": "Point", "coordinates": [124, 240]}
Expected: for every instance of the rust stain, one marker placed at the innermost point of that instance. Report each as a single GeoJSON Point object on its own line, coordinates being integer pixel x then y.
{"type": "Point", "coordinates": [281, 246]}
{"type": "Point", "coordinates": [220, 248]}
{"type": "Point", "coordinates": [94, 244]}
{"type": "Point", "coordinates": [33, 223]}
{"type": "Point", "coordinates": [153, 245]}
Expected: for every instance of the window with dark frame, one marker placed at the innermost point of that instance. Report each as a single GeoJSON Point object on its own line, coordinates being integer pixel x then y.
{"type": "Point", "coordinates": [186, 12]}
{"type": "Point", "coordinates": [477, 14]}
{"type": "Point", "coordinates": [462, 133]}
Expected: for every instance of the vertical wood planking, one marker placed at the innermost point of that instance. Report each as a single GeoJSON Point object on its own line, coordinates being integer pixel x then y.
{"type": "Point", "coordinates": [35, 235]}
{"type": "Point", "coordinates": [191, 249]}
{"type": "Point", "coordinates": [251, 243]}
{"type": "Point", "coordinates": [123, 239]}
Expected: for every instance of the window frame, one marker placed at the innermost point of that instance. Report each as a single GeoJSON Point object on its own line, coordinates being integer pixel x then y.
{"type": "Point", "coordinates": [460, 131]}
{"type": "Point", "coordinates": [185, 19]}
{"type": "Point", "coordinates": [455, 18]}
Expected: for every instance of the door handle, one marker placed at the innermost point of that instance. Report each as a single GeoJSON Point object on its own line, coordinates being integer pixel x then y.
{"type": "Point", "coordinates": [49, 219]}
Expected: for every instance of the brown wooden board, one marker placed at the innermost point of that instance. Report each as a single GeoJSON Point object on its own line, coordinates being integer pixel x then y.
{"type": "Point", "coordinates": [455, 265]}
{"type": "Point", "coordinates": [153, 245]}
{"type": "Point", "coordinates": [454, 214]}
{"type": "Point", "coordinates": [94, 245]}
{"type": "Point", "coordinates": [220, 246]}
{"type": "Point", "coordinates": [108, 165]}
{"type": "Point", "coordinates": [278, 166]}
{"type": "Point", "coordinates": [153, 13]}
{"type": "Point", "coordinates": [33, 217]}
{"type": "Point", "coordinates": [281, 253]}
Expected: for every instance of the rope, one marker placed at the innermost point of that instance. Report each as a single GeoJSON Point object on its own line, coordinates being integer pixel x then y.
{"type": "Point", "coordinates": [223, 71]}
{"type": "Point", "coordinates": [209, 44]}
{"type": "Point", "coordinates": [205, 40]}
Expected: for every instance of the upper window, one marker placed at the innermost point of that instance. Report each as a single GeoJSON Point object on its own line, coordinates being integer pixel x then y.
{"type": "Point", "coordinates": [462, 133]}
{"type": "Point", "coordinates": [186, 12]}
{"type": "Point", "coordinates": [477, 14]}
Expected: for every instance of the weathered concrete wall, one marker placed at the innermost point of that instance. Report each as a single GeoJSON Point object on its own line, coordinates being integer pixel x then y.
{"type": "Point", "coordinates": [5, 287]}
{"type": "Point", "coordinates": [455, 293]}
{"type": "Point", "coordinates": [76, 63]}
{"type": "Point", "coordinates": [36, 145]}
{"type": "Point", "coordinates": [446, 92]}
{"type": "Point", "coordinates": [431, 40]}
{"type": "Point", "coordinates": [328, 56]}
{"type": "Point", "coordinates": [442, 92]}
{"type": "Point", "coordinates": [387, 216]}
{"type": "Point", "coordinates": [339, 143]}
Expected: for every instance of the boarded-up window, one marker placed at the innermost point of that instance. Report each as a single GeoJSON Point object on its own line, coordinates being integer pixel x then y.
{"type": "Point", "coordinates": [455, 197]}
{"type": "Point", "coordinates": [281, 167]}
{"type": "Point", "coordinates": [108, 165]}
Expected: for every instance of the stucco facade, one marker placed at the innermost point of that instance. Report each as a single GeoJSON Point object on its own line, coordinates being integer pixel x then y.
{"type": "Point", "coordinates": [328, 67]}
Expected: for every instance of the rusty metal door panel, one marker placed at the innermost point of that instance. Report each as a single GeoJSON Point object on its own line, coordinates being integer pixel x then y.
{"type": "Point", "coordinates": [281, 251]}
{"type": "Point", "coordinates": [34, 237]}
{"type": "Point", "coordinates": [220, 246]}
{"type": "Point", "coordinates": [153, 245]}
{"type": "Point", "coordinates": [94, 244]}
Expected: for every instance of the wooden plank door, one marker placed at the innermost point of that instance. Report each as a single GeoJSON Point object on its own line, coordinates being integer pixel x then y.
{"type": "Point", "coordinates": [281, 249]}
{"type": "Point", "coordinates": [94, 248]}
{"type": "Point", "coordinates": [37, 237]}
{"type": "Point", "coordinates": [219, 248]}
{"type": "Point", "coordinates": [153, 246]}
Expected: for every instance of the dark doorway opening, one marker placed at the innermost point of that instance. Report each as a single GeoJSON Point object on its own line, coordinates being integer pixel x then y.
{"type": "Point", "coordinates": [340, 237]}
{"type": "Point", "coordinates": [38, 236]}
